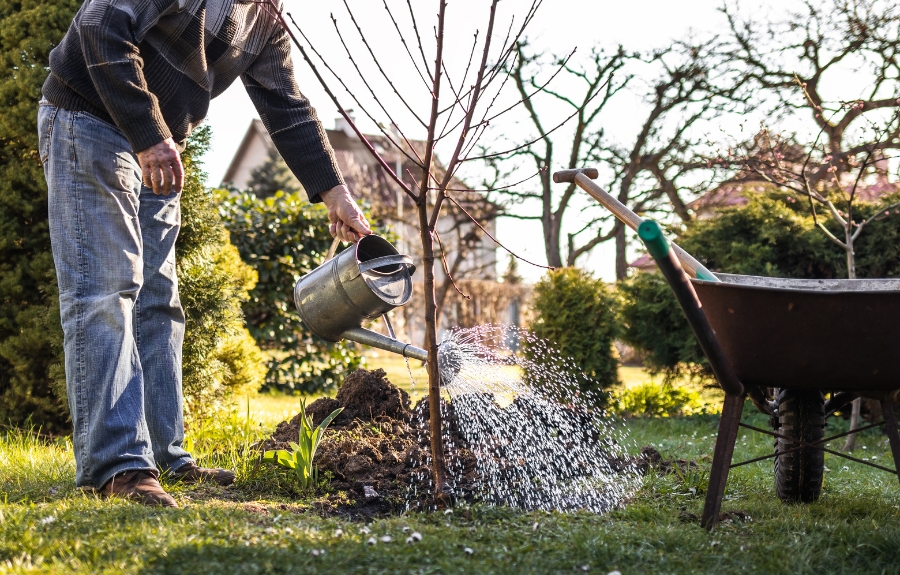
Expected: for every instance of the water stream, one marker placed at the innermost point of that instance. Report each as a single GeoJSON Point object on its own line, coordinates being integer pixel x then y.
{"type": "Point", "coordinates": [539, 440]}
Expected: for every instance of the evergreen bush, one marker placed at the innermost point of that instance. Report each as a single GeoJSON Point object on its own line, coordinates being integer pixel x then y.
{"type": "Point", "coordinates": [32, 380]}
{"type": "Point", "coordinates": [284, 237]}
{"type": "Point", "coordinates": [577, 314]}
{"type": "Point", "coordinates": [220, 359]}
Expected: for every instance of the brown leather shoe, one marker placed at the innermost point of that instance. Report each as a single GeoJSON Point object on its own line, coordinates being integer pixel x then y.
{"type": "Point", "coordinates": [139, 485]}
{"type": "Point", "coordinates": [191, 473]}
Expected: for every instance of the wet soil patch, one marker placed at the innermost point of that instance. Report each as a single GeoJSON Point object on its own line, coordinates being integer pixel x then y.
{"type": "Point", "coordinates": [377, 451]}
{"type": "Point", "coordinates": [650, 458]}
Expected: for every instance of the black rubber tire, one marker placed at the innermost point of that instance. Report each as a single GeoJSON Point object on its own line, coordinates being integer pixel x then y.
{"type": "Point", "coordinates": [798, 475]}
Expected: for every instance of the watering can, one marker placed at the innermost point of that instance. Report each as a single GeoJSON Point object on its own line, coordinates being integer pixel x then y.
{"type": "Point", "coordinates": [363, 282]}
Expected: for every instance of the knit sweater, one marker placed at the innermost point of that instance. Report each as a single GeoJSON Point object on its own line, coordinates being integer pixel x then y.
{"type": "Point", "coordinates": [151, 68]}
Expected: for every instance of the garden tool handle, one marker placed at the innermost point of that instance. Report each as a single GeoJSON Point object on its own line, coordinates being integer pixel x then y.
{"type": "Point", "coordinates": [652, 236]}
{"type": "Point", "coordinates": [582, 178]}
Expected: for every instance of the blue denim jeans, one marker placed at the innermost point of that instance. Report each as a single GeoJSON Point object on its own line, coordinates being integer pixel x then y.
{"type": "Point", "coordinates": [114, 249]}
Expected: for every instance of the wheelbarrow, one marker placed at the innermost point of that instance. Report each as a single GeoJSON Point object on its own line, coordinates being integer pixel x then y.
{"type": "Point", "coordinates": [785, 344]}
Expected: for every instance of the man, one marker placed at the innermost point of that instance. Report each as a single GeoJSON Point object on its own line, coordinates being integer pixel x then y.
{"type": "Point", "coordinates": [127, 84]}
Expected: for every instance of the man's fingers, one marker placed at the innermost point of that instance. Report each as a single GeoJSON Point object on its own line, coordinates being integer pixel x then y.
{"type": "Point", "coordinates": [146, 172]}
{"type": "Point", "coordinates": [178, 172]}
{"type": "Point", "coordinates": [361, 225]}
{"type": "Point", "coordinates": [168, 180]}
{"type": "Point", "coordinates": [161, 167]}
{"type": "Point", "coordinates": [156, 179]}
{"type": "Point", "coordinates": [346, 233]}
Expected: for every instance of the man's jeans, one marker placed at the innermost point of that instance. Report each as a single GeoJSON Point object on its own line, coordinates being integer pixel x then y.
{"type": "Point", "coordinates": [114, 249]}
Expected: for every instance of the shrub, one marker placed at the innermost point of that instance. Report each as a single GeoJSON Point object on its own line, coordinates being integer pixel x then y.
{"type": "Point", "coordinates": [652, 399]}
{"type": "Point", "coordinates": [652, 322]}
{"type": "Point", "coordinates": [32, 379]}
{"type": "Point", "coordinates": [283, 238]}
{"type": "Point", "coordinates": [220, 360]}
{"type": "Point", "coordinates": [577, 314]}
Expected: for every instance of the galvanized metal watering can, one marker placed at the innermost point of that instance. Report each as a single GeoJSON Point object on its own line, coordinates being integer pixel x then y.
{"type": "Point", "coordinates": [363, 282]}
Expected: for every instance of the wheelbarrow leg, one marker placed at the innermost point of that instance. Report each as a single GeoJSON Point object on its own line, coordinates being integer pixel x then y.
{"type": "Point", "coordinates": [718, 475]}
{"type": "Point", "coordinates": [890, 426]}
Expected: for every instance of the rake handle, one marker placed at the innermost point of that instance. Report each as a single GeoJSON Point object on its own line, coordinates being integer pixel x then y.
{"type": "Point", "coordinates": [582, 178]}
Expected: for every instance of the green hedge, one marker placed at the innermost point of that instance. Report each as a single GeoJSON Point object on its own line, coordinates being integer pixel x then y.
{"type": "Point", "coordinates": [284, 237]}
{"type": "Point", "coordinates": [772, 235]}
{"type": "Point", "coordinates": [218, 356]}
{"type": "Point", "coordinates": [31, 371]}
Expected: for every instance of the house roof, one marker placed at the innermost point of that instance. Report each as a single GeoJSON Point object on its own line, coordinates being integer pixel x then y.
{"type": "Point", "coordinates": [363, 174]}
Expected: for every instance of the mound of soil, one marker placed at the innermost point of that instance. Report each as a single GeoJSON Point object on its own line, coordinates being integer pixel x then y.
{"type": "Point", "coordinates": [378, 453]}
{"type": "Point", "coordinates": [377, 449]}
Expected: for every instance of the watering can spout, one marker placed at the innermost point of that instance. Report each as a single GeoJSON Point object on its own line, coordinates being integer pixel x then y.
{"type": "Point", "coordinates": [373, 339]}
{"type": "Point", "coordinates": [450, 359]}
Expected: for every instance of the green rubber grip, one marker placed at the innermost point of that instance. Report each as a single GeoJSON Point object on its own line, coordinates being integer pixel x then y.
{"type": "Point", "coordinates": [652, 236]}
{"type": "Point", "coordinates": [706, 275]}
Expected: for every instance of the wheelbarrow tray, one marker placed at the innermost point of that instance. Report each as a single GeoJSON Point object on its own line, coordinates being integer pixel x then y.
{"type": "Point", "coordinates": [827, 335]}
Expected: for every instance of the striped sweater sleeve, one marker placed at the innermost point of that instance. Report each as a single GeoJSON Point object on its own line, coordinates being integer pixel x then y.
{"type": "Point", "coordinates": [110, 32]}
{"type": "Point", "coordinates": [290, 119]}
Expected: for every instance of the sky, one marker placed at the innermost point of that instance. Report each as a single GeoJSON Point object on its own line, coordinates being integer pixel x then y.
{"type": "Point", "coordinates": [560, 27]}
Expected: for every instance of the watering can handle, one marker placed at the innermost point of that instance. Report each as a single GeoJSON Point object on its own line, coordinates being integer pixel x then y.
{"type": "Point", "coordinates": [333, 248]}
{"type": "Point", "coordinates": [399, 259]}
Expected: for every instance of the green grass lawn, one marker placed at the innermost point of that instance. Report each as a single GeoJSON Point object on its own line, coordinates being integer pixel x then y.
{"type": "Point", "coordinates": [47, 526]}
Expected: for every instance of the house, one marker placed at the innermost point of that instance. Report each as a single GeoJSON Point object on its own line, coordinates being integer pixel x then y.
{"type": "Point", "coordinates": [469, 254]}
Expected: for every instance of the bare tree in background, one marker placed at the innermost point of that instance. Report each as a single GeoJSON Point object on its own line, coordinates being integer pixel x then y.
{"type": "Point", "coordinates": [458, 106]}
{"type": "Point", "coordinates": [846, 159]}
{"type": "Point", "coordinates": [813, 48]}
{"type": "Point", "coordinates": [659, 170]}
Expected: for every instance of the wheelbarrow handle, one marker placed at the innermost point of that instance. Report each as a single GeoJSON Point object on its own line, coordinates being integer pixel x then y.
{"type": "Point", "coordinates": [582, 178]}
{"type": "Point", "coordinates": [652, 236]}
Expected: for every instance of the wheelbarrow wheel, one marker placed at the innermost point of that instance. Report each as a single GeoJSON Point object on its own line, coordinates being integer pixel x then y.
{"type": "Point", "coordinates": [798, 474]}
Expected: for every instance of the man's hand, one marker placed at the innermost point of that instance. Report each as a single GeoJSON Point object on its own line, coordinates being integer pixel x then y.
{"type": "Point", "coordinates": [347, 221]}
{"type": "Point", "coordinates": [161, 167]}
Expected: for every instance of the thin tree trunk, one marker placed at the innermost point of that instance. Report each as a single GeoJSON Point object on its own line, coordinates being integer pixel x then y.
{"type": "Point", "coordinates": [434, 377]}
{"type": "Point", "coordinates": [850, 444]}
{"type": "Point", "coordinates": [621, 253]}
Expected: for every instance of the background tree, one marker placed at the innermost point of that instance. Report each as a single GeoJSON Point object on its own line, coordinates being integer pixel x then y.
{"type": "Point", "coordinates": [845, 156]}
{"type": "Point", "coordinates": [816, 47]}
{"type": "Point", "coordinates": [597, 86]}
{"type": "Point", "coordinates": [273, 176]}
{"type": "Point", "coordinates": [683, 88]}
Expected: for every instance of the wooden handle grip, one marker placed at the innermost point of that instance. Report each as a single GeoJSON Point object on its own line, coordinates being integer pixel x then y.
{"type": "Point", "coordinates": [568, 176]}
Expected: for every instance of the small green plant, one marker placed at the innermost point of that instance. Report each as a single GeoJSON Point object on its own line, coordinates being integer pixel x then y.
{"type": "Point", "coordinates": [301, 459]}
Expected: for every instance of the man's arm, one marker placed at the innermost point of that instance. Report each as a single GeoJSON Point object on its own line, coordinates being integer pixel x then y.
{"type": "Point", "coordinates": [110, 31]}
{"type": "Point", "coordinates": [299, 136]}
